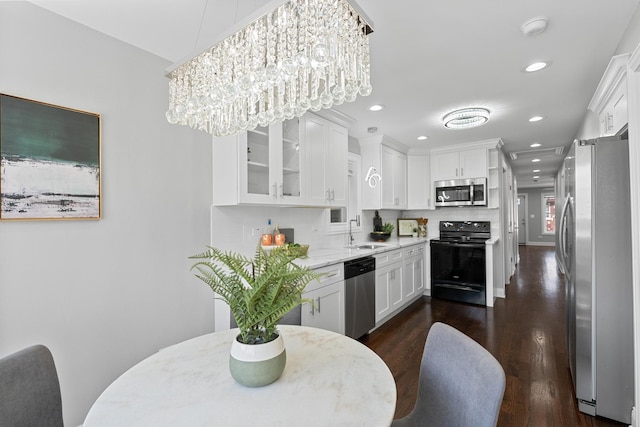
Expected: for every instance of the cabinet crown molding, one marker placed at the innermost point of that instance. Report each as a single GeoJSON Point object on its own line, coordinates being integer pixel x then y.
{"type": "Point", "coordinates": [615, 72]}
{"type": "Point", "coordinates": [381, 139]}
{"type": "Point", "coordinates": [487, 143]}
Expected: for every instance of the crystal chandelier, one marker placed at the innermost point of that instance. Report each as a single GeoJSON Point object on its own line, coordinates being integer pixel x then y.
{"type": "Point", "coordinates": [303, 55]}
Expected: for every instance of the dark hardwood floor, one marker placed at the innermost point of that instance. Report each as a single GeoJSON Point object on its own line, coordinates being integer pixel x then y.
{"type": "Point", "coordinates": [524, 331]}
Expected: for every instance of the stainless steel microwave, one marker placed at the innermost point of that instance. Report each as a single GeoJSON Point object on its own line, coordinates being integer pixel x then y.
{"type": "Point", "coordinates": [461, 192]}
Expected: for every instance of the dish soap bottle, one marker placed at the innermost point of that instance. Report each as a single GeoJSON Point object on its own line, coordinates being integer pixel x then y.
{"type": "Point", "coordinates": [278, 237]}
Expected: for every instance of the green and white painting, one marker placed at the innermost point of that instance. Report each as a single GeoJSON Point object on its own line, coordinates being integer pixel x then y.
{"type": "Point", "coordinates": [50, 165]}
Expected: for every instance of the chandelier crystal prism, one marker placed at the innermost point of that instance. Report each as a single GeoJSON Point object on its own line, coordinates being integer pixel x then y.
{"type": "Point", "coordinates": [303, 55]}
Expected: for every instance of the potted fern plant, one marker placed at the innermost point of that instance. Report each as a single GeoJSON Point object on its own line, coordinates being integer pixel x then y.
{"type": "Point", "coordinates": [259, 292]}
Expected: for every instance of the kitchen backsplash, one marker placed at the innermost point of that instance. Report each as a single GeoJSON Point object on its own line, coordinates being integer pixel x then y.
{"type": "Point", "coordinates": [238, 228]}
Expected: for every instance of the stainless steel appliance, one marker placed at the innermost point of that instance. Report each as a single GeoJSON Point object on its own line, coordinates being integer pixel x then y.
{"type": "Point", "coordinates": [360, 296]}
{"type": "Point", "coordinates": [595, 248]}
{"type": "Point", "coordinates": [461, 192]}
{"type": "Point", "coordinates": [458, 261]}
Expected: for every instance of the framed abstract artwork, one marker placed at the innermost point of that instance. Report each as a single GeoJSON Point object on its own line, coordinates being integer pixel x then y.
{"type": "Point", "coordinates": [50, 161]}
{"type": "Point", "coordinates": [406, 226]}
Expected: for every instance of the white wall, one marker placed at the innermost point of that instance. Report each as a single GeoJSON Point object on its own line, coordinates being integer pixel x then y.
{"type": "Point", "coordinates": [102, 295]}
{"type": "Point", "coordinates": [534, 225]}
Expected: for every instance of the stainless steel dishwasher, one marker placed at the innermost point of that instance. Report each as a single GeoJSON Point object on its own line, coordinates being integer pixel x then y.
{"type": "Point", "coordinates": [360, 296]}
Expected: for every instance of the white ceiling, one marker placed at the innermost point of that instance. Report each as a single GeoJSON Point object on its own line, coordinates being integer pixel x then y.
{"type": "Point", "coordinates": [428, 57]}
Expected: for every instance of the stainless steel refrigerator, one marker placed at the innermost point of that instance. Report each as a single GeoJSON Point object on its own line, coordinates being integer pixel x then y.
{"type": "Point", "coordinates": [595, 247]}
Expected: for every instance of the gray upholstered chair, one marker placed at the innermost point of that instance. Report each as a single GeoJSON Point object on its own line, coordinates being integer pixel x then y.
{"type": "Point", "coordinates": [461, 383]}
{"type": "Point", "coordinates": [29, 389]}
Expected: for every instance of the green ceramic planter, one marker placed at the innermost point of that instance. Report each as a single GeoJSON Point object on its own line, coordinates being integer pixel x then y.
{"type": "Point", "coordinates": [259, 364]}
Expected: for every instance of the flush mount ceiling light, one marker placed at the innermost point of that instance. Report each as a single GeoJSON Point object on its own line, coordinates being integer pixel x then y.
{"type": "Point", "coordinates": [535, 160]}
{"type": "Point", "coordinates": [535, 145]}
{"type": "Point", "coordinates": [297, 55]}
{"type": "Point", "coordinates": [536, 170]}
{"type": "Point", "coordinates": [536, 118]}
{"type": "Point", "coordinates": [422, 138]}
{"type": "Point", "coordinates": [376, 107]}
{"type": "Point", "coordinates": [536, 66]}
{"type": "Point", "coordinates": [466, 118]}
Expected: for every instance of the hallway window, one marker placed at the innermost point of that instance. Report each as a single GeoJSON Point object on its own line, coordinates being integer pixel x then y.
{"type": "Point", "coordinates": [548, 213]}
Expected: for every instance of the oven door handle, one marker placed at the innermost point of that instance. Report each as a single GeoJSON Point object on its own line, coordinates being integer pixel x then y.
{"type": "Point", "coordinates": [459, 245]}
{"type": "Point", "coordinates": [459, 287]}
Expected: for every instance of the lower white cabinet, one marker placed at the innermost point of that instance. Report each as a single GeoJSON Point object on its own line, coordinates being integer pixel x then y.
{"type": "Point", "coordinates": [327, 310]}
{"type": "Point", "coordinates": [400, 279]}
{"type": "Point", "coordinates": [327, 294]}
{"type": "Point", "coordinates": [414, 272]}
{"type": "Point", "coordinates": [388, 289]}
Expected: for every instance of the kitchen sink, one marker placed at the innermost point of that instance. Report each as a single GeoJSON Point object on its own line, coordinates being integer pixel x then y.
{"type": "Point", "coordinates": [367, 246]}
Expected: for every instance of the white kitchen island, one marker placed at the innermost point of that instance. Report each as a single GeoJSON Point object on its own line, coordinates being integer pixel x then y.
{"type": "Point", "coordinates": [329, 379]}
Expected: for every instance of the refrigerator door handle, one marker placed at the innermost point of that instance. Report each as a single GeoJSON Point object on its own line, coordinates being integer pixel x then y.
{"type": "Point", "coordinates": [563, 232]}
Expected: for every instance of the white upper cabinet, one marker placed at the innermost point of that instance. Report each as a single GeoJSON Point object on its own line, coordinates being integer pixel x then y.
{"type": "Point", "coordinates": [297, 162]}
{"type": "Point", "coordinates": [386, 166]}
{"type": "Point", "coordinates": [609, 101]}
{"type": "Point", "coordinates": [262, 166]}
{"type": "Point", "coordinates": [326, 165]}
{"type": "Point", "coordinates": [470, 163]}
{"type": "Point", "coordinates": [419, 181]}
{"type": "Point", "coordinates": [394, 187]}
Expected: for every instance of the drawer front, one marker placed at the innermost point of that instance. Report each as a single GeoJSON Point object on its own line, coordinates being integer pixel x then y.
{"type": "Point", "coordinates": [414, 251]}
{"type": "Point", "coordinates": [330, 274]}
{"type": "Point", "coordinates": [389, 257]}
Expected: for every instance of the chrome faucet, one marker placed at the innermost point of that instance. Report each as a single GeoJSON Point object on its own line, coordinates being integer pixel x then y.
{"type": "Point", "coordinates": [357, 221]}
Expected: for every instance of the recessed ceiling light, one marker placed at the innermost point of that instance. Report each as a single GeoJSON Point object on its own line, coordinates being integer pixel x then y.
{"type": "Point", "coordinates": [376, 107]}
{"type": "Point", "coordinates": [536, 177]}
{"type": "Point", "coordinates": [535, 160]}
{"type": "Point", "coordinates": [536, 118]}
{"type": "Point", "coordinates": [422, 137]}
{"type": "Point", "coordinates": [466, 118]}
{"type": "Point", "coordinates": [535, 145]}
{"type": "Point", "coordinates": [536, 170]}
{"type": "Point", "coordinates": [536, 66]}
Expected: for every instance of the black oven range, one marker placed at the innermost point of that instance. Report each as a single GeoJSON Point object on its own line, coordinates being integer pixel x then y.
{"type": "Point", "coordinates": [458, 266]}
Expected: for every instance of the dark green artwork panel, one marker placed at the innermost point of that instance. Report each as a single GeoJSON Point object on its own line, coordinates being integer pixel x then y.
{"type": "Point", "coordinates": [50, 161]}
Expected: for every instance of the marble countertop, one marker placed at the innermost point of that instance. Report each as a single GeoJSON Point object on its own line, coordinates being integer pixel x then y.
{"type": "Point", "coordinates": [329, 380]}
{"type": "Point", "coordinates": [320, 257]}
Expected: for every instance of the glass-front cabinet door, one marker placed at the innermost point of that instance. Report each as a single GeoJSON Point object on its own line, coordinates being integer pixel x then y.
{"type": "Point", "coordinates": [258, 162]}
{"type": "Point", "coordinates": [291, 160]}
{"type": "Point", "coordinates": [270, 160]}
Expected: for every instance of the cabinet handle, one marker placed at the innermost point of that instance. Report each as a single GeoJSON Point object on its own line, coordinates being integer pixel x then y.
{"type": "Point", "coordinates": [461, 171]}
{"type": "Point", "coordinates": [456, 171]}
{"type": "Point", "coordinates": [328, 196]}
{"type": "Point", "coordinates": [333, 195]}
{"type": "Point", "coordinates": [275, 190]}
{"type": "Point", "coordinates": [313, 308]}
{"type": "Point", "coordinates": [318, 304]}
{"type": "Point", "coordinates": [282, 191]}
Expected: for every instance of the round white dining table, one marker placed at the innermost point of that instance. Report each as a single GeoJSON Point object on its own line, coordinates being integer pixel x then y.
{"type": "Point", "coordinates": [329, 380]}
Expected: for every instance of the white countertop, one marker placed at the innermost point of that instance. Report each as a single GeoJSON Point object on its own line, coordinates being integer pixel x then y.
{"type": "Point", "coordinates": [329, 380]}
{"type": "Point", "coordinates": [320, 257]}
